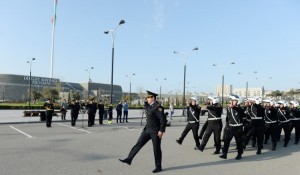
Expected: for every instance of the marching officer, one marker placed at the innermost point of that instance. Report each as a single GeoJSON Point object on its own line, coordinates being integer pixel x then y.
{"type": "Point", "coordinates": [257, 123]}
{"type": "Point", "coordinates": [214, 121]}
{"type": "Point", "coordinates": [154, 130]}
{"type": "Point", "coordinates": [295, 118]}
{"type": "Point", "coordinates": [49, 112]}
{"type": "Point", "coordinates": [271, 123]}
{"type": "Point", "coordinates": [101, 112]}
{"type": "Point", "coordinates": [283, 115]}
{"type": "Point", "coordinates": [75, 107]}
{"type": "Point", "coordinates": [234, 127]}
{"type": "Point", "coordinates": [91, 110]}
{"type": "Point", "coordinates": [193, 113]}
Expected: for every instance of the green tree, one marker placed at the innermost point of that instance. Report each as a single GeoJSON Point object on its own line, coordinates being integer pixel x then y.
{"type": "Point", "coordinates": [75, 95]}
{"type": "Point", "coordinates": [51, 93]}
{"type": "Point", "coordinates": [35, 96]}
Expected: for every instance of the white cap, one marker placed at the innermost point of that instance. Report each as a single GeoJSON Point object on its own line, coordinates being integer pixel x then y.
{"type": "Point", "coordinates": [194, 98]}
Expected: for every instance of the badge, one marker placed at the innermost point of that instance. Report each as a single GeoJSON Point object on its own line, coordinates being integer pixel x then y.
{"type": "Point", "coordinates": [160, 109]}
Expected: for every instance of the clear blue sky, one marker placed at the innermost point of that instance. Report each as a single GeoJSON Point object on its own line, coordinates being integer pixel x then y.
{"type": "Point", "coordinates": [258, 35]}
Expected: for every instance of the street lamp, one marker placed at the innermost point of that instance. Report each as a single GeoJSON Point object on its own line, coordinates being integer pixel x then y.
{"type": "Point", "coordinates": [129, 76]}
{"type": "Point", "coordinates": [30, 62]}
{"type": "Point", "coordinates": [160, 88]}
{"type": "Point", "coordinates": [89, 70]}
{"type": "Point", "coordinates": [223, 69]}
{"type": "Point", "coordinates": [255, 72]}
{"type": "Point", "coordinates": [113, 34]}
{"type": "Point", "coordinates": [185, 54]}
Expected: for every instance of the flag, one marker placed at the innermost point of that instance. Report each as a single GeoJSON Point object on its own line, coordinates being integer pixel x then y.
{"type": "Point", "coordinates": [54, 16]}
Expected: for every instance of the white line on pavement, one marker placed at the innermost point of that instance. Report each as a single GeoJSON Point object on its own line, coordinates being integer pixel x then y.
{"type": "Point", "coordinates": [80, 129]}
{"type": "Point", "coordinates": [29, 136]}
{"type": "Point", "coordinates": [121, 126]}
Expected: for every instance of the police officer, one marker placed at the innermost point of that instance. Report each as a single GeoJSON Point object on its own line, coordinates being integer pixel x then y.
{"type": "Point", "coordinates": [101, 112]}
{"type": "Point", "coordinates": [295, 119]}
{"type": "Point", "coordinates": [49, 112]}
{"type": "Point", "coordinates": [214, 121]}
{"type": "Point", "coordinates": [193, 113]}
{"type": "Point", "coordinates": [257, 123]}
{"type": "Point", "coordinates": [271, 122]}
{"type": "Point", "coordinates": [119, 112]}
{"type": "Point", "coordinates": [283, 115]}
{"type": "Point", "coordinates": [154, 130]}
{"type": "Point", "coordinates": [234, 127]}
{"type": "Point", "coordinates": [91, 110]}
{"type": "Point", "coordinates": [75, 107]}
{"type": "Point", "coordinates": [110, 113]}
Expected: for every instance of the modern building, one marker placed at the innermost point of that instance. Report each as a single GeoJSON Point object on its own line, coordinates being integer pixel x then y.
{"type": "Point", "coordinates": [227, 90]}
{"type": "Point", "coordinates": [16, 87]}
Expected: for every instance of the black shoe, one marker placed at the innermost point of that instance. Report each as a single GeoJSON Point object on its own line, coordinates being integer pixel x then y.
{"type": "Point", "coordinates": [217, 152]}
{"type": "Point", "coordinates": [258, 152]}
{"type": "Point", "coordinates": [179, 142]}
{"type": "Point", "coordinates": [125, 161]}
{"type": "Point", "coordinates": [285, 145]}
{"type": "Point", "coordinates": [223, 156]}
{"type": "Point", "coordinates": [273, 148]}
{"type": "Point", "coordinates": [238, 157]}
{"type": "Point", "coordinates": [198, 147]}
{"type": "Point", "coordinates": [157, 169]}
{"type": "Point", "coordinates": [296, 143]}
{"type": "Point", "coordinates": [266, 142]}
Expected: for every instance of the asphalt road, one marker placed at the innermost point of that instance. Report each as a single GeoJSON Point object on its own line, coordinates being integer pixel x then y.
{"type": "Point", "coordinates": [32, 149]}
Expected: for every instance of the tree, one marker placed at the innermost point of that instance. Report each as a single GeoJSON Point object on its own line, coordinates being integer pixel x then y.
{"type": "Point", "coordinates": [75, 95]}
{"type": "Point", "coordinates": [276, 94]}
{"type": "Point", "coordinates": [35, 95]}
{"type": "Point", "coordinates": [51, 93]}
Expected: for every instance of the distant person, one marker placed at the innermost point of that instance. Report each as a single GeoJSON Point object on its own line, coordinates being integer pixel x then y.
{"type": "Point", "coordinates": [63, 109]}
{"type": "Point", "coordinates": [101, 112]}
{"type": "Point", "coordinates": [125, 112]}
{"type": "Point", "coordinates": [75, 107]}
{"type": "Point", "coordinates": [49, 112]}
{"type": "Point", "coordinates": [154, 130]}
{"type": "Point", "coordinates": [119, 111]}
{"type": "Point", "coordinates": [91, 110]}
{"type": "Point", "coordinates": [171, 108]}
{"type": "Point", "coordinates": [110, 113]}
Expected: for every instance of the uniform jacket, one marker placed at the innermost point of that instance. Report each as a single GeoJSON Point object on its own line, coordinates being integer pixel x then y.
{"type": "Point", "coordinates": [49, 106]}
{"type": "Point", "coordinates": [214, 113]}
{"type": "Point", "coordinates": [193, 111]}
{"type": "Point", "coordinates": [234, 116]}
{"type": "Point", "coordinates": [257, 113]}
{"type": "Point", "coordinates": [155, 118]}
{"type": "Point", "coordinates": [295, 115]}
{"type": "Point", "coordinates": [283, 114]}
{"type": "Point", "coordinates": [270, 115]}
{"type": "Point", "coordinates": [91, 108]}
{"type": "Point", "coordinates": [101, 108]}
{"type": "Point", "coordinates": [74, 108]}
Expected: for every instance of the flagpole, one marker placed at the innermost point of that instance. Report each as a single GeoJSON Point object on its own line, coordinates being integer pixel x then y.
{"type": "Point", "coordinates": [53, 33]}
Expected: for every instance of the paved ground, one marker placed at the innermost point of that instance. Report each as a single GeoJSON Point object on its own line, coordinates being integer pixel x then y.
{"type": "Point", "coordinates": [32, 149]}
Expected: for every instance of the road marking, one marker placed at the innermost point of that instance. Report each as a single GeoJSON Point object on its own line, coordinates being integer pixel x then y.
{"type": "Point", "coordinates": [29, 136]}
{"type": "Point", "coordinates": [121, 127]}
{"type": "Point", "coordinates": [80, 129]}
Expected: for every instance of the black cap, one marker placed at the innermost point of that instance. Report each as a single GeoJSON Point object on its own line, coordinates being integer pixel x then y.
{"type": "Point", "coordinates": [151, 94]}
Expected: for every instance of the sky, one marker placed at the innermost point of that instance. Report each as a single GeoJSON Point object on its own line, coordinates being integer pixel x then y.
{"type": "Point", "coordinates": [260, 36]}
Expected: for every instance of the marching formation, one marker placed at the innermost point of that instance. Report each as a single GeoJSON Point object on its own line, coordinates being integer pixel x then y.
{"type": "Point", "coordinates": [250, 119]}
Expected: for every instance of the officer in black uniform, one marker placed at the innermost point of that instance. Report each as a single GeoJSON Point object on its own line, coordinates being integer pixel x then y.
{"type": "Point", "coordinates": [101, 112]}
{"type": "Point", "coordinates": [283, 114]}
{"type": "Point", "coordinates": [257, 113]}
{"type": "Point", "coordinates": [154, 130]}
{"type": "Point", "coordinates": [234, 127]}
{"type": "Point", "coordinates": [193, 113]}
{"type": "Point", "coordinates": [49, 112]}
{"type": "Point", "coordinates": [75, 107]}
{"type": "Point", "coordinates": [214, 124]}
{"type": "Point", "coordinates": [271, 123]}
{"type": "Point", "coordinates": [295, 119]}
{"type": "Point", "coordinates": [91, 110]}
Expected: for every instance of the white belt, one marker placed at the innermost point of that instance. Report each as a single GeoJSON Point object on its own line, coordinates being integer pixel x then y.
{"type": "Point", "coordinates": [214, 118]}
{"type": "Point", "coordinates": [236, 124]}
{"type": "Point", "coordinates": [272, 122]}
{"type": "Point", "coordinates": [256, 118]}
{"type": "Point", "coordinates": [192, 121]}
{"type": "Point", "coordinates": [295, 119]}
{"type": "Point", "coordinates": [284, 121]}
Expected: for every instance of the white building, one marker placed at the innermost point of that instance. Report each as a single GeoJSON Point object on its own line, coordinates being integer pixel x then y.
{"type": "Point", "coordinates": [227, 90]}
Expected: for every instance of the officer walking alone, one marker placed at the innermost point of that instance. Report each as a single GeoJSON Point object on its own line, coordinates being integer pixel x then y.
{"type": "Point", "coordinates": [154, 130]}
{"type": "Point", "coordinates": [49, 112]}
{"type": "Point", "coordinates": [101, 112]}
{"type": "Point", "coordinates": [75, 107]}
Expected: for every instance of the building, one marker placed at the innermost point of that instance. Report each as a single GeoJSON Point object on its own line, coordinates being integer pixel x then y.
{"type": "Point", "coordinates": [252, 92]}
{"type": "Point", "coordinates": [227, 90]}
{"type": "Point", "coordinates": [16, 87]}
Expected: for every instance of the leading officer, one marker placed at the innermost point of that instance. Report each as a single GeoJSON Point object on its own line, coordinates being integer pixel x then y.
{"type": "Point", "coordinates": [154, 130]}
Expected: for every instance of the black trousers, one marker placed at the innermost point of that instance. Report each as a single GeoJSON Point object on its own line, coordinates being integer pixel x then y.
{"type": "Point", "coordinates": [203, 129]}
{"type": "Point", "coordinates": [287, 131]}
{"type": "Point", "coordinates": [74, 117]}
{"type": "Point", "coordinates": [91, 119]}
{"type": "Point", "coordinates": [257, 132]}
{"type": "Point", "coordinates": [237, 133]}
{"type": "Point", "coordinates": [110, 116]}
{"type": "Point", "coordinates": [119, 116]}
{"type": "Point", "coordinates": [143, 139]}
{"type": "Point", "coordinates": [216, 128]}
{"type": "Point", "coordinates": [194, 127]}
{"type": "Point", "coordinates": [101, 114]}
{"type": "Point", "coordinates": [49, 114]}
{"type": "Point", "coordinates": [125, 116]}
{"type": "Point", "coordinates": [296, 124]}
{"type": "Point", "coordinates": [271, 130]}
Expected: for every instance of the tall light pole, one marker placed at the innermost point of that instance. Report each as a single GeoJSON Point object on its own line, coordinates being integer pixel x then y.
{"type": "Point", "coordinates": [223, 69]}
{"type": "Point", "coordinates": [185, 54]}
{"type": "Point", "coordinates": [89, 70]}
{"type": "Point", "coordinates": [113, 34]}
{"type": "Point", "coordinates": [30, 62]}
{"type": "Point", "coordinates": [255, 72]}
{"type": "Point", "coordinates": [129, 76]}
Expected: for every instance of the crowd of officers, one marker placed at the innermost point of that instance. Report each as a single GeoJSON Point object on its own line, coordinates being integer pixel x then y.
{"type": "Point", "coordinates": [250, 119]}
{"type": "Point", "coordinates": [90, 108]}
